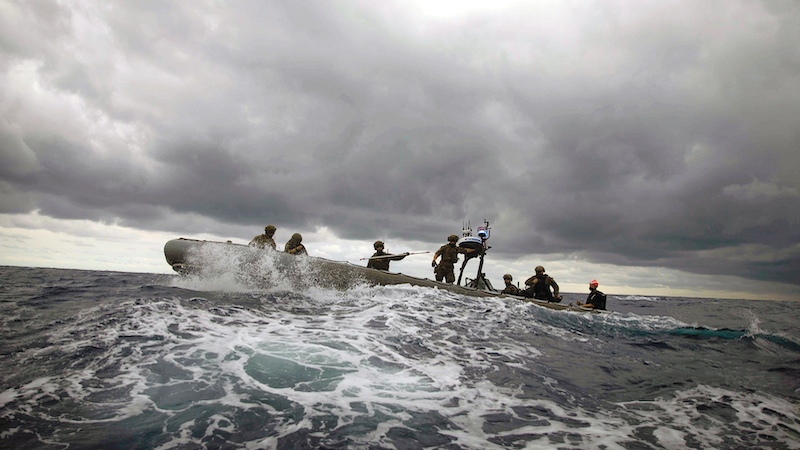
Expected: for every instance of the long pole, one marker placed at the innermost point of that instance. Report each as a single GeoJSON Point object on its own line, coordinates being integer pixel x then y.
{"type": "Point", "coordinates": [393, 256]}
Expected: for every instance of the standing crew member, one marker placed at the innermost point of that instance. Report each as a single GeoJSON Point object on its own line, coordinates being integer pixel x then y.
{"type": "Point", "coordinates": [596, 299]}
{"type": "Point", "coordinates": [538, 287]}
{"type": "Point", "coordinates": [382, 263]}
{"type": "Point", "coordinates": [294, 246]}
{"type": "Point", "coordinates": [449, 253]}
{"type": "Point", "coordinates": [265, 240]}
{"type": "Point", "coordinates": [510, 288]}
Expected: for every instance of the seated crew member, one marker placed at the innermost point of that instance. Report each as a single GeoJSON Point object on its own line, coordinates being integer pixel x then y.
{"type": "Point", "coordinates": [265, 240]}
{"type": "Point", "coordinates": [294, 246]}
{"type": "Point", "coordinates": [449, 253]}
{"type": "Point", "coordinates": [510, 288]}
{"type": "Point", "coordinates": [596, 299]}
{"type": "Point", "coordinates": [538, 287]}
{"type": "Point", "coordinates": [383, 259]}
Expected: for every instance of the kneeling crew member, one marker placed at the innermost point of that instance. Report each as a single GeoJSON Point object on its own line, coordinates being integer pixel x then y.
{"type": "Point", "coordinates": [510, 288]}
{"type": "Point", "coordinates": [596, 299]}
{"type": "Point", "coordinates": [538, 287]}
{"type": "Point", "coordinates": [449, 253]}
{"type": "Point", "coordinates": [380, 260]}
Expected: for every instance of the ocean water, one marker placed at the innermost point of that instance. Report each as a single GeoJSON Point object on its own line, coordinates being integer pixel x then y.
{"type": "Point", "coordinates": [93, 359]}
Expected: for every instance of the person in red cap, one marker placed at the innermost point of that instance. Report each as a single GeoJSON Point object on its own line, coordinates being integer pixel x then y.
{"type": "Point", "coordinates": [596, 299]}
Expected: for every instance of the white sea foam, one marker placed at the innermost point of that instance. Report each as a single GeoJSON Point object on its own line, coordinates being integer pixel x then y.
{"type": "Point", "coordinates": [393, 351]}
{"type": "Point", "coordinates": [640, 298]}
{"type": "Point", "coordinates": [692, 412]}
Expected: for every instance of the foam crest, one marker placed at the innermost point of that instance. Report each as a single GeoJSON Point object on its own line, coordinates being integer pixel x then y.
{"type": "Point", "coordinates": [712, 417]}
{"type": "Point", "coordinates": [263, 365]}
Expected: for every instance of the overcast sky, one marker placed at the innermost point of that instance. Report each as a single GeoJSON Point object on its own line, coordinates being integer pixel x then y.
{"type": "Point", "coordinates": [654, 143]}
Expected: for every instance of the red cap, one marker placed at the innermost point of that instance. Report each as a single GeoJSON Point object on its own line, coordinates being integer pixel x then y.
{"type": "Point", "coordinates": [593, 283]}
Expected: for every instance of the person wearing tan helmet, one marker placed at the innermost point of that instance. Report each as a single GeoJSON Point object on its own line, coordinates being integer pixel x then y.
{"type": "Point", "coordinates": [538, 287]}
{"type": "Point", "coordinates": [449, 253]}
{"type": "Point", "coordinates": [510, 288]}
{"type": "Point", "coordinates": [294, 246]}
{"type": "Point", "coordinates": [380, 260]}
{"type": "Point", "coordinates": [596, 299]}
{"type": "Point", "coordinates": [265, 240]}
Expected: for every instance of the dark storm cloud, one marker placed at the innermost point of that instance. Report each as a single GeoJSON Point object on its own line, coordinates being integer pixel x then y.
{"type": "Point", "coordinates": [654, 135]}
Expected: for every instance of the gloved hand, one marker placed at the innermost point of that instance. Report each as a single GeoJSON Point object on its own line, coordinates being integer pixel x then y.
{"type": "Point", "coordinates": [433, 264]}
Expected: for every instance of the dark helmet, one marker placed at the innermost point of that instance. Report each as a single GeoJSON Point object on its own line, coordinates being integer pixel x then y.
{"type": "Point", "coordinates": [297, 238]}
{"type": "Point", "coordinates": [269, 229]}
{"type": "Point", "coordinates": [539, 269]}
{"type": "Point", "coordinates": [452, 238]}
{"type": "Point", "coordinates": [378, 244]}
{"type": "Point", "coordinates": [507, 277]}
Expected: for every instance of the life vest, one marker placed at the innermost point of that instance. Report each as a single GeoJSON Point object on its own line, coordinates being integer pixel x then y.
{"type": "Point", "coordinates": [597, 299]}
{"type": "Point", "coordinates": [541, 289]}
{"type": "Point", "coordinates": [449, 254]}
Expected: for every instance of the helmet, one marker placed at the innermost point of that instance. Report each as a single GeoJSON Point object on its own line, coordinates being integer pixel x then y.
{"type": "Point", "coordinates": [378, 244]}
{"type": "Point", "coordinates": [269, 229]}
{"type": "Point", "coordinates": [508, 277]}
{"type": "Point", "coordinates": [452, 238]}
{"type": "Point", "coordinates": [593, 283]}
{"type": "Point", "coordinates": [539, 269]}
{"type": "Point", "coordinates": [297, 238]}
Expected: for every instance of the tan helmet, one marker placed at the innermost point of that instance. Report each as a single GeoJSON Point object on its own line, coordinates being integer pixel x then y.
{"type": "Point", "coordinates": [539, 269]}
{"type": "Point", "coordinates": [297, 238]}
{"type": "Point", "coordinates": [378, 244]}
{"type": "Point", "coordinates": [269, 229]}
{"type": "Point", "coordinates": [452, 238]}
{"type": "Point", "coordinates": [508, 277]}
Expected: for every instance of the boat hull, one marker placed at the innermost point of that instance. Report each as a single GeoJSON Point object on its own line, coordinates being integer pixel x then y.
{"type": "Point", "coordinates": [182, 255]}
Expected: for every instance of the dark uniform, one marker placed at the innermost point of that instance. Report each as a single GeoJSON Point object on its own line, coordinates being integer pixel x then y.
{"type": "Point", "coordinates": [510, 288]}
{"type": "Point", "coordinates": [293, 244]}
{"type": "Point", "coordinates": [539, 286]}
{"type": "Point", "coordinates": [265, 240]}
{"type": "Point", "coordinates": [382, 263]}
{"type": "Point", "coordinates": [449, 253]}
{"type": "Point", "coordinates": [597, 299]}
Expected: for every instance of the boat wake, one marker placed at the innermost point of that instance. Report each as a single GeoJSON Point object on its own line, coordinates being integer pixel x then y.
{"type": "Point", "coordinates": [220, 362]}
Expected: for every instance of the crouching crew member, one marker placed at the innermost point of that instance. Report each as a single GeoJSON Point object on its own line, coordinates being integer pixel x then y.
{"type": "Point", "coordinates": [538, 287]}
{"type": "Point", "coordinates": [596, 299]}
{"type": "Point", "coordinates": [294, 245]}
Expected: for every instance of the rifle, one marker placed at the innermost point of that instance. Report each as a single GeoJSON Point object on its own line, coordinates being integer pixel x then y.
{"type": "Point", "coordinates": [394, 256]}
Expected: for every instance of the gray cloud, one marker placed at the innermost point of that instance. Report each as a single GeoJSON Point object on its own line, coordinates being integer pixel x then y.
{"type": "Point", "coordinates": [654, 135]}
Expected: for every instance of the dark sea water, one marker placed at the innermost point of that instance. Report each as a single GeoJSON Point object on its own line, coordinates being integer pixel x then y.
{"type": "Point", "coordinates": [93, 359]}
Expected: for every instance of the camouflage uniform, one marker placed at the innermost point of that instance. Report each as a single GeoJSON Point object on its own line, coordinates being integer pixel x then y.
{"type": "Point", "coordinates": [539, 287]}
{"type": "Point", "coordinates": [449, 253]}
{"type": "Point", "coordinates": [511, 290]}
{"type": "Point", "coordinates": [293, 243]}
{"type": "Point", "coordinates": [265, 240]}
{"type": "Point", "coordinates": [382, 263]}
